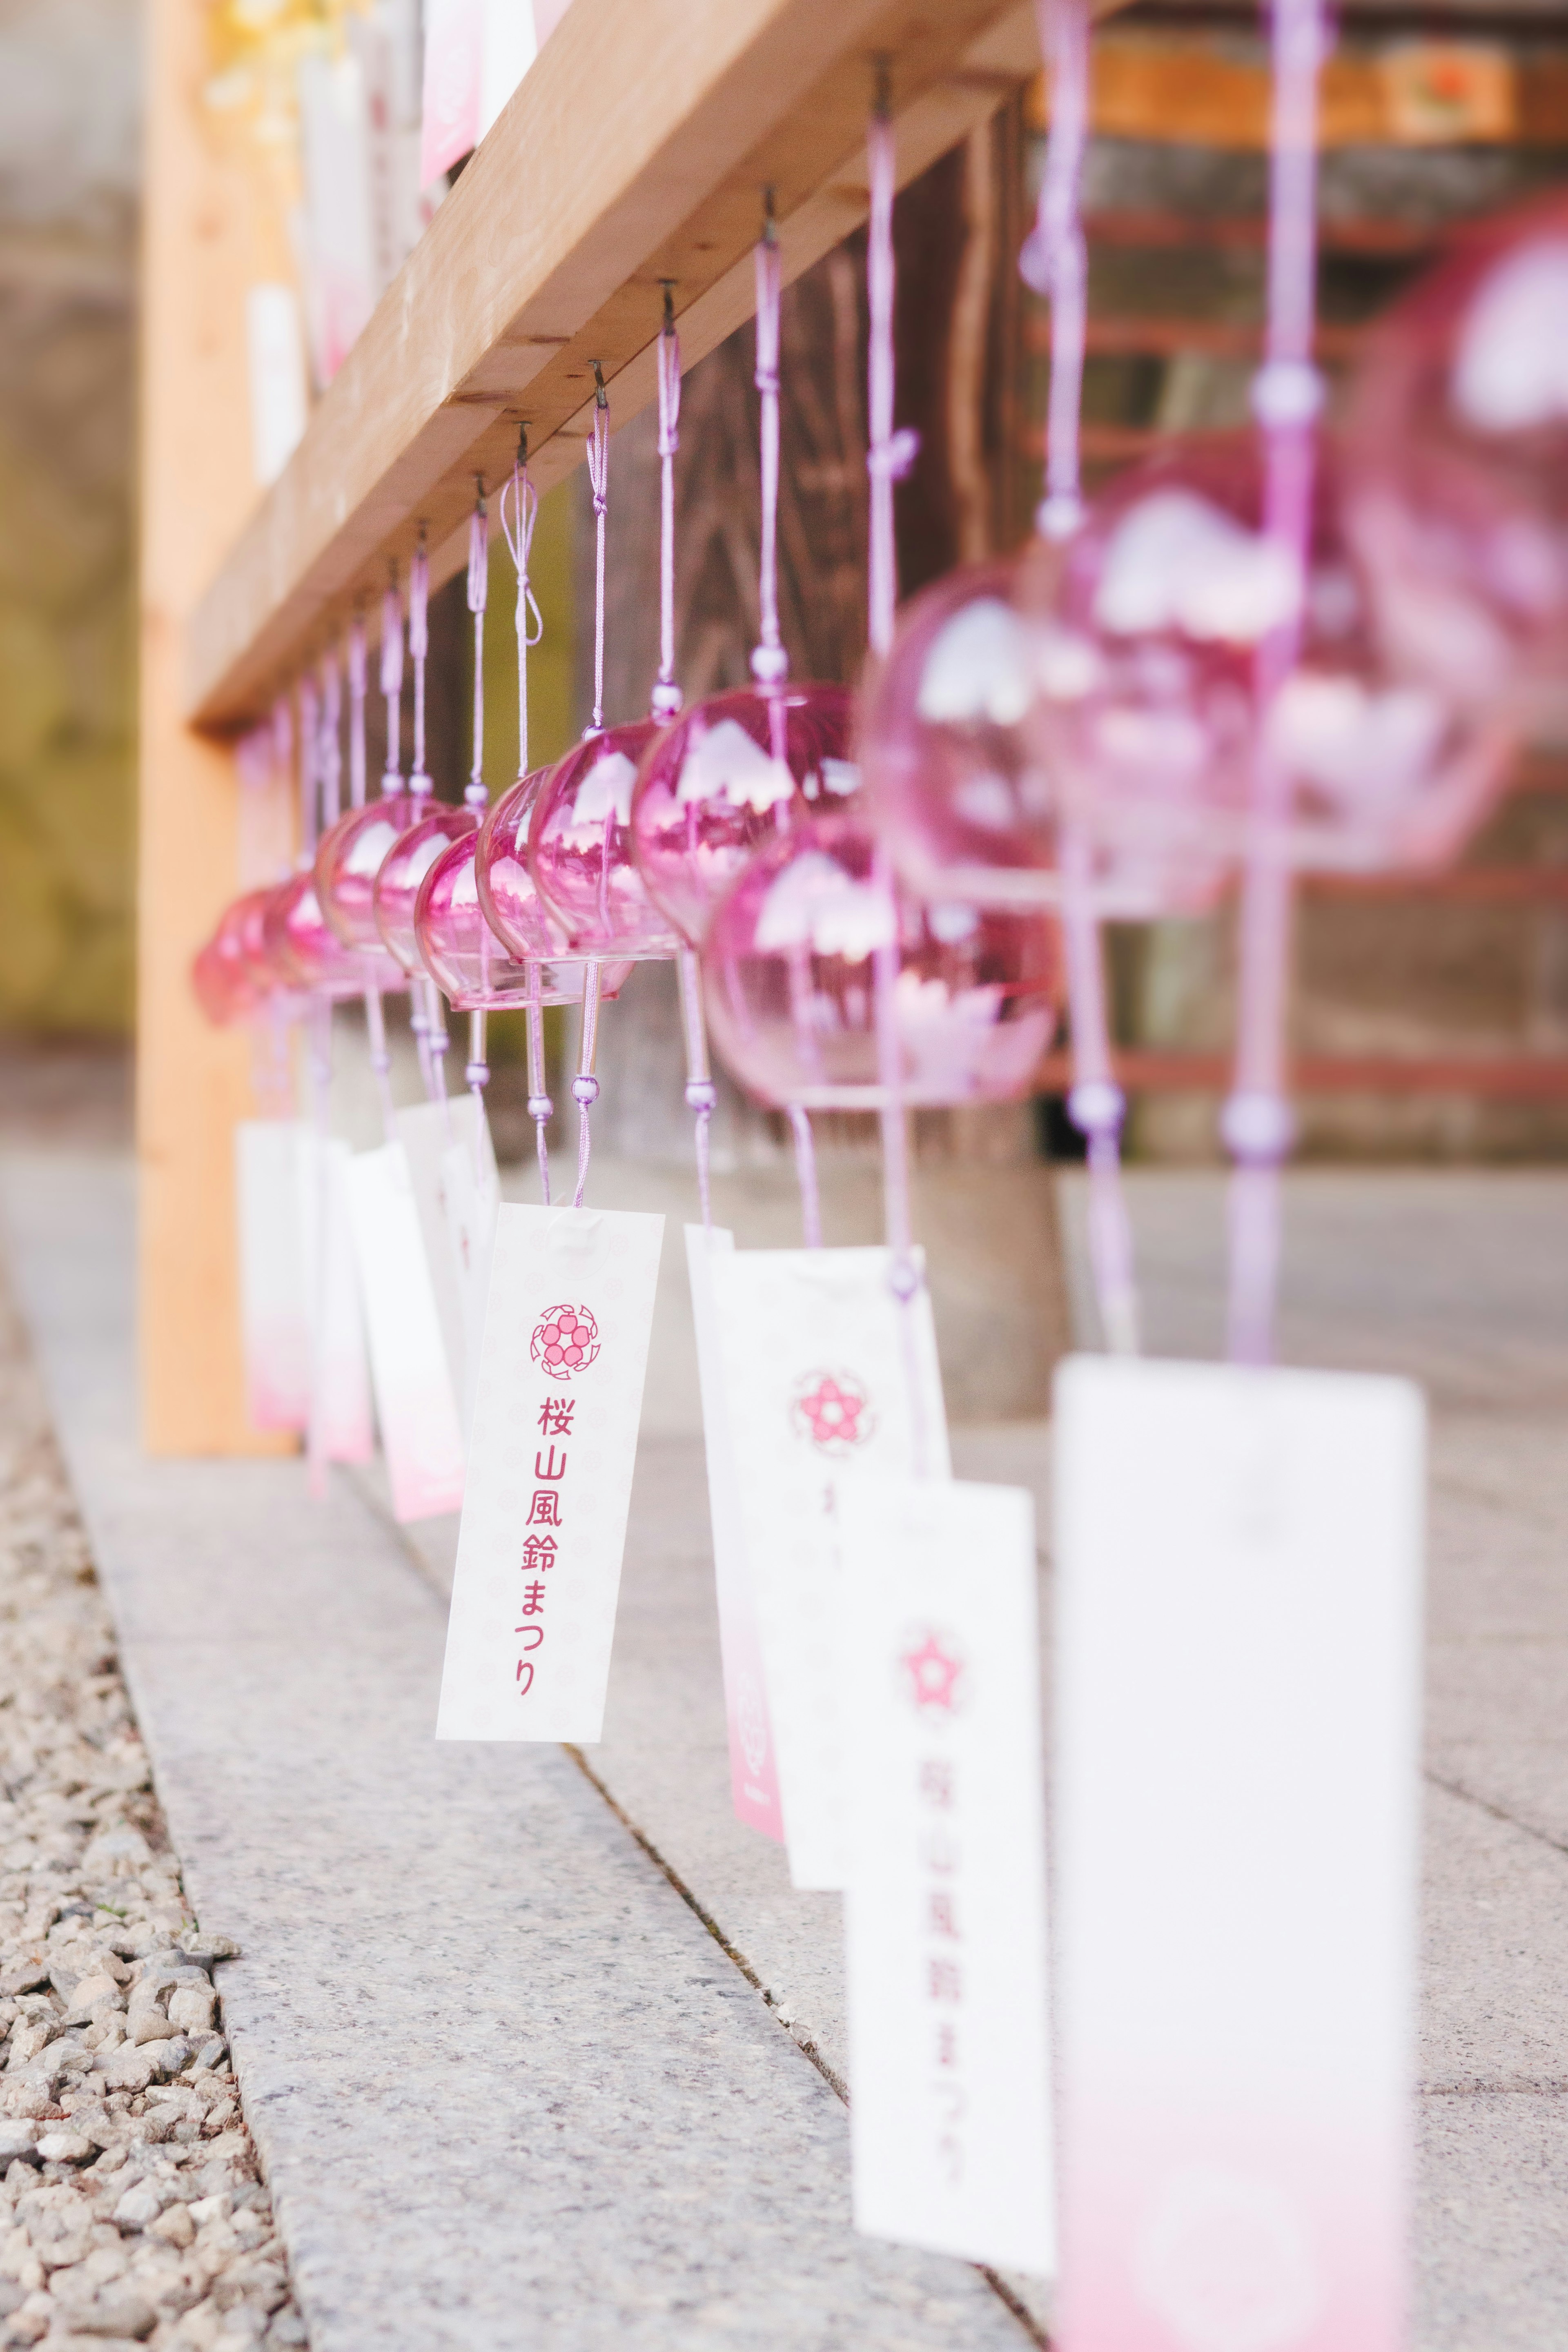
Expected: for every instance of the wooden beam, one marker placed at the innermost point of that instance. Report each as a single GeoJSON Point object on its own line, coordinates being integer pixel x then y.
{"type": "Point", "coordinates": [192, 1081]}
{"type": "Point", "coordinates": [636, 149]}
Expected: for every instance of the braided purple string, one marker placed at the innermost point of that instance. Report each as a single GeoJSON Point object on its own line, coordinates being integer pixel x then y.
{"type": "Point", "coordinates": [392, 683]}
{"type": "Point", "coordinates": [770, 662]}
{"type": "Point", "coordinates": [889, 455]}
{"type": "Point", "coordinates": [419, 647]}
{"type": "Point", "coordinates": [517, 527]}
{"type": "Point", "coordinates": [1053, 263]}
{"type": "Point", "coordinates": [586, 1086]}
{"type": "Point", "coordinates": [1287, 393]}
{"type": "Point", "coordinates": [310, 771]}
{"type": "Point", "coordinates": [358, 682]}
{"type": "Point", "coordinates": [599, 480]}
{"type": "Point", "coordinates": [332, 757]}
{"type": "Point", "coordinates": [479, 595]}
{"type": "Point", "coordinates": [667, 696]}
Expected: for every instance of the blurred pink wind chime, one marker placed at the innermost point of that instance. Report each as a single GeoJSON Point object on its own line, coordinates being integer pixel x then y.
{"type": "Point", "coordinates": [353, 849]}
{"type": "Point", "coordinates": [1215, 691]}
{"type": "Point", "coordinates": [831, 986]}
{"type": "Point", "coordinates": [968, 809]}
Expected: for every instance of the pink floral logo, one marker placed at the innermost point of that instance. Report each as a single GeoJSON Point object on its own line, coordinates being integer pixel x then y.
{"type": "Point", "coordinates": [931, 1670]}
{"type": "Point", "coordinates": [565, 1340]}
{"type": "Point", "coordinates": [833, 1411]}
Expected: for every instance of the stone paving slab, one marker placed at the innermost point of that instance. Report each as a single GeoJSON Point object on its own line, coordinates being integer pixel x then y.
{"type": "Point", "coordinates": [508, 2091]}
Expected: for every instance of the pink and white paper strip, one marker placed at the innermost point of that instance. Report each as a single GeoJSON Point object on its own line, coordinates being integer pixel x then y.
{"type": "Point", "coordinates": [274, 1298]}
{"type": "Point", "coordinates": [818, 1358]}
{"type": "Point", "coordinates": [949, 2095]}
{"type": "Point", "coordinates": [415, 1401]}
{"type": "Point", "coordinates": [1240, 1558]}
{"type": "Point", "coordinates": [754, 1776]}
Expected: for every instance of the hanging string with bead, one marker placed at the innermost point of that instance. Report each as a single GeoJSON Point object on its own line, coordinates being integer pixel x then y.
{"type": "Point", "coordinates": [586, 1086]}
{"type": "Point", "coordinates": [701, 1094]}
{"type": "Point", "coordinates": [516, 527]}
{"type": "Point", "coordinates": [1287, 395]}
{"type": "Point", "coordinates": [421, 787]}
{"type": "Point", "coordinates": [888, 456]}
{"type": "Point", "coordinates": [1055, 263]}
{"type": "Point", "coordinates": [770, 659]}
{"type": "Point", "coordinates": [476, 1074]}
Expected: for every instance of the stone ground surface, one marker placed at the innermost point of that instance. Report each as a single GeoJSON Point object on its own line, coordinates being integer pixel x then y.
{"type": "Point", "coordinates": [505, 2088]}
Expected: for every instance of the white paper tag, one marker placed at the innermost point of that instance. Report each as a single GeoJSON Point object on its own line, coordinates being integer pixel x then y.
{"type": "Point", "coordinates": [827, 1374]}
{"type": "Point", "coordinates": [754, 1776]}
{"type": "Point", "coordinates": [550, 1475]}
{"type": "Point", "coordinates": [425, 1130]}
{"type": "Point", "coordinates": [945, 1907]}
{"type": "Point", "coordinates": [274, 1302]}
{"type": "Point", "coordinates": [414, 1398]}
{"type": "Point", "coordinates": [470, 1193]}
{"type": "Point", "coordinates": [340, 1371]}
{"type": "Point", "coordinates": [1239, 1627]}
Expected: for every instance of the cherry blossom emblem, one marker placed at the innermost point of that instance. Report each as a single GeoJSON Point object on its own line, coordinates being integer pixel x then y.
{"type": "Point", "coordinates": [931, 1666]}
{"type": "Point", "coordinates": [565, 1340]}
{"type": "Point", "coordinates": [833, 1411]}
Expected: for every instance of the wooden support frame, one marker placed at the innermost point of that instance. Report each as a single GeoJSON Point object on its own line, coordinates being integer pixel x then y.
{"type": "Point", "coordinates": [636, 150]}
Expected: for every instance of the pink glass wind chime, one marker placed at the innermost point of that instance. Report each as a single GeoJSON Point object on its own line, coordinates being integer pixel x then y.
{"type": "Point", "coordinates": [958, 788]}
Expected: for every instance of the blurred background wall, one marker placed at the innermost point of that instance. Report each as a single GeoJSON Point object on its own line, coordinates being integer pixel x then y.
{"type": "Point", "coordinates": [69, 107]}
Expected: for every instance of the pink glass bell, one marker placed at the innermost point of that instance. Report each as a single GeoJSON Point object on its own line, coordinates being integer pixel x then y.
{"type": "Point", "coordinates": [1151, 623]}
{"type": "Point", "coordinates": [513, 908]}
{"type": "Point", "coordinates": [302, 947]}
{"type": "Point", "coordinates": [349, 857]}
{"type": "Point", "coordinates": [227, 985]}
{"type": "Point", "coordinates": [404, 868]}
{"type": "Point", "coordinates": [466, 960]}
{"type": "Point", "coordinates": [1457, 467]}
{"type": "Point", "coordinates": [952, 762]}
{"type": "Point", "coordinates": [726, 778]}
{"type": "Point", "coordinates": [580, 850]}
{"type": "Point", "coordinates": [788, 981]}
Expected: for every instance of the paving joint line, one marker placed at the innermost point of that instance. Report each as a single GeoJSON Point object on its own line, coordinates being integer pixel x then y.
{"type": "Point", "coordinates": [809, 2050]}
{"type": "Point", "coordinates": [1498, 1812]}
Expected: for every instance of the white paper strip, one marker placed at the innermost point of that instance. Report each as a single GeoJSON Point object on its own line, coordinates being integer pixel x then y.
{"type": "Point", "coordinates": [275, 1312]}
{"type": "Point", "coordinates": [827, 1374]}
{"type": "Point", "coordinates": [754, 1776]}
{"type": "Point", "coordinates": [415, 1404]}
{"type": "Point", "coordinates": [470, 1193]}
{"type": "Point", "coordinates": [425, 1129]}
{"type": "Point", "coordinates": [945, 1908]}
{"type": "Point", "coordinates": [340, 1370]}
{"type": "Point", "coordinates": [1239, 1626]}
{"type": "Point", "coordinates": [550, 1475]}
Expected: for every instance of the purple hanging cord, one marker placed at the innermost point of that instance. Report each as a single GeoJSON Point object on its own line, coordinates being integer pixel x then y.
{"type": "Point", "coordinates": [421, 787]}
{"type": "Point", "coordinates": [318, 1065]}
{"type": "Point", "coordinates": [1287, 395]}
{"type": "Point", "coordinates": [889, 457]}
{"type": "Point", "coordinates": [517, 531]}
{"type": "Point", "coordinates": [374, 1011]}
{"type": "Point", "coordinates": [769, 658]}
{"type": "Point", "coordinates": [701, 1094]}
{"type": "Point", "coordinates": [477, 1073]}
{"type": "Point", "coordinates": [1056, 265]}
{"type": "Point", "coordinates": [586, 1086]}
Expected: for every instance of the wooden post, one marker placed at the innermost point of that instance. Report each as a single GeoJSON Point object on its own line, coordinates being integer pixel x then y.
{"type": "Point", "coordinates": [198, 487]}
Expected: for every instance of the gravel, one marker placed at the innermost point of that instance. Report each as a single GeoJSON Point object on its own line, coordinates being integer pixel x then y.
{"type": "Point", "coordinates": [131, 2213]}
